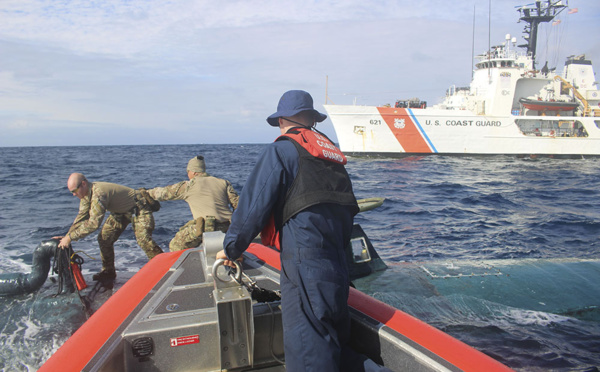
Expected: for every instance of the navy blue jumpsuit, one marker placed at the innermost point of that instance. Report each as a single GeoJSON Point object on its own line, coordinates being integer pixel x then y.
{"type": "Point", "coordinates": [314, 275]}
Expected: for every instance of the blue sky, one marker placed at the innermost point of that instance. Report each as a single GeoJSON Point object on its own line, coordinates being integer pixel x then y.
{"type": "Point", "coordinates": [114, 72]}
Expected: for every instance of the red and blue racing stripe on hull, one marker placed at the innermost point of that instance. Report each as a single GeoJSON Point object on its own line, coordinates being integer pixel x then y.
{"type": "Point", "coordinates": [408, 131]}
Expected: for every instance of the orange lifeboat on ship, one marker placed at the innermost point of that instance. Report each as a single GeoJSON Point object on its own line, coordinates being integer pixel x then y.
{"type": "Point", "coordinates": [540, 105]}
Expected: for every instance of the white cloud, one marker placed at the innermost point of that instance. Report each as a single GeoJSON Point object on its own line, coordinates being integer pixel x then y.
{"type": "Point", "coordinates": [159, 71]}
{"type": "Point", "coordinates": [129, 27]}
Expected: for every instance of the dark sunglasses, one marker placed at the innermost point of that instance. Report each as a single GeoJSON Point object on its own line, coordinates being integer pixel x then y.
{"type": "Point", "coordinates": [75, 189]}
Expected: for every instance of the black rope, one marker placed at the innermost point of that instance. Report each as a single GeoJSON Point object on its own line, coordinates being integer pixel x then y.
{"type": "Point", "coordinates": [85, 301]}
{"type": "Point", "coordinates": [264, 295]}
{"type": "Point", "coordinates": [257, 293]}
{"type": "Point", "coordinates": [62, 258]}
{"type": "Point", "coordinates": [77, 259]}
{"type": "Point", "coordinates": [96, 289]}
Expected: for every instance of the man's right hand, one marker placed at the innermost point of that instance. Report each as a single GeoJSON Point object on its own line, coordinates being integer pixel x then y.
{"type": "Point", "coordinates": [221, 254]}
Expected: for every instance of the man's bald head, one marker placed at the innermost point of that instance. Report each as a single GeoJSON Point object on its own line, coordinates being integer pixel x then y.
{"type": "Point", "coordinates": [78, 185]}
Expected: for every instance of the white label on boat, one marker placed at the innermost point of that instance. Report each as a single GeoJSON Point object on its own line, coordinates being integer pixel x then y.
{"type": "Point", "coordinates": [185, 340]}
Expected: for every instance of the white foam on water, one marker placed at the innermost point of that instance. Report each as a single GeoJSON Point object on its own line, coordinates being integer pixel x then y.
{"type": "Point", "coordinates": [532, 317]}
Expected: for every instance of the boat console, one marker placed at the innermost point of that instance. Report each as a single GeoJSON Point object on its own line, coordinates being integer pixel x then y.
{"type": "Point", "coordinates": [199, 316]}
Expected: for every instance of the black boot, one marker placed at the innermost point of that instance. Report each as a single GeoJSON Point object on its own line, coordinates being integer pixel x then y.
{"type": "Point", "coordinates": [105, 275]}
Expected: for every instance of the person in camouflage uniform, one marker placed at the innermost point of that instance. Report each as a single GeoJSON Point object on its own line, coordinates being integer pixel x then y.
{"type": "Point", "coordinates": [209, 199]}
{"type": "Point", "coordinates": [125, 205]}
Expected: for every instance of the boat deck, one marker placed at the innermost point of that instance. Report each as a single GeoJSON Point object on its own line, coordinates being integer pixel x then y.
{"type": "Point", "coordinates": [183, 312]}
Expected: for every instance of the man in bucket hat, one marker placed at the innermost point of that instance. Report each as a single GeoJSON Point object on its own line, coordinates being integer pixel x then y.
{"type": "Point", "coordinates": [300, 196]}
{"type": "Point", "coordinates": [210, 199]}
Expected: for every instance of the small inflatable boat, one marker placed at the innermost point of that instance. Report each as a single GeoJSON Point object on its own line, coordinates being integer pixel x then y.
{"type": "Point", "coordinates": [183, 312]}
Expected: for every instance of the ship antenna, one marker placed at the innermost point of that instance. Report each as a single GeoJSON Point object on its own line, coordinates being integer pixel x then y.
{"type": "Point", "coordinates": [533, 16]}
{"type": "Point", "coordinates": [327, 99]}
{"type": "Point", "coordinates": [473, 45]}
{"type": "Point", "coordinates": [490, 40]}
{"type": "Point", "coordinates": [326, 87]}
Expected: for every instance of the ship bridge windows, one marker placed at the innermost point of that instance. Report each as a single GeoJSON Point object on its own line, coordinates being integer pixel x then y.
{"type": "Point", "coordinates": [502, 63]}
{"type": "Point", "coordinates": [552, 128]}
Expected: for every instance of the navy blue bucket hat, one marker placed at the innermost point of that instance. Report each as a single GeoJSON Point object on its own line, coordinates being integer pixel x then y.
{"type": "Point", "coordinates": [293, 102]}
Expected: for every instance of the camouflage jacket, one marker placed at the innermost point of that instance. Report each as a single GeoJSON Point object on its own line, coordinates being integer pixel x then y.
{"type": "Point", "coordinates": [102, 197]}
{"type": "Point", "coordinates": [206, 196]}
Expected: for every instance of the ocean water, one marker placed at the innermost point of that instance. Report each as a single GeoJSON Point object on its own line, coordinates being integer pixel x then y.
{"type": "Point", "coordinates": [500, 252]}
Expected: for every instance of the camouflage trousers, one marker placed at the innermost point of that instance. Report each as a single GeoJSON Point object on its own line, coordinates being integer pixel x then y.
{"type": "Point", "coordinates": [143, 225]}
{"type": "Point", "coordinates": [190, 234]}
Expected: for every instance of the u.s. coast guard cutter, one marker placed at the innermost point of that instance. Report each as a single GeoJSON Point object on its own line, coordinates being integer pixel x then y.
{"type": "Point", "coordinates": [511, 107]}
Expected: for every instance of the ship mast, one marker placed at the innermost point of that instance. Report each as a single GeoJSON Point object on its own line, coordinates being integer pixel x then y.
{"type": "Point", "coordinates": [533, 15]}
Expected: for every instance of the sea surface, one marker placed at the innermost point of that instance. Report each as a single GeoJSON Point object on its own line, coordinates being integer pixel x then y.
{"type": "Point", "coordinates": [500, 252]}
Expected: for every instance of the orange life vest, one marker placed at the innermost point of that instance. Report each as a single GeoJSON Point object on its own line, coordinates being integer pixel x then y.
{"type": "Point", "coordinates": [312, 144]}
